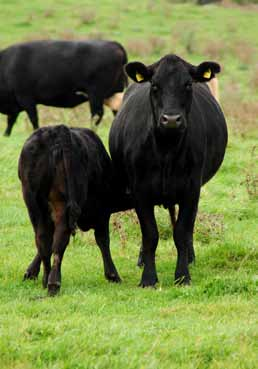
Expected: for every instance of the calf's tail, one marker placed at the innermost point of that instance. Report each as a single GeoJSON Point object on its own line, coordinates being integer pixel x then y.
{"type": "Point", "coordinates": [67, 151]}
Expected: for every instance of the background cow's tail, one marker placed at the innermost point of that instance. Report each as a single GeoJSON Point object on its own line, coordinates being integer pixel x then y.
{"type": "Point", "coordinates": [67, 151]}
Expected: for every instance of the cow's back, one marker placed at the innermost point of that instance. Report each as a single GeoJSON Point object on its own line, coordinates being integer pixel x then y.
{"type": "Point", "coordinates": [53, 71]}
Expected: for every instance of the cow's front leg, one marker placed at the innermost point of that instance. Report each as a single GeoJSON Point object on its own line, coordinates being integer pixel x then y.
{"type": "Point", "coordinates": [150, 237]}
{"type": "Point", "coordinates": [183, 237]}
{"type": "Point", "coordinates": [102, 239]}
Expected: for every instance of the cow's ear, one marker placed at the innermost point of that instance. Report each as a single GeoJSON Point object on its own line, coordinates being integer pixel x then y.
{"type": "Point", "coordinates": [138, 72]}
{"type": "Point", "coordinates": [205, 71]}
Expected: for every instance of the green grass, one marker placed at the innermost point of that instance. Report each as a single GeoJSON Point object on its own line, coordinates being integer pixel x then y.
{"type": "Point", "coordinates": [94, 324]}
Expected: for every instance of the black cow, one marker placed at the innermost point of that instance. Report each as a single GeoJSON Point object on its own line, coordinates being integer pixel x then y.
{"type": "Point", "coordinates": [167, 140]}
{"type": "Point", "coordinates": [59, 73]}
{"type": "Point", "coordinates": [67, 181]}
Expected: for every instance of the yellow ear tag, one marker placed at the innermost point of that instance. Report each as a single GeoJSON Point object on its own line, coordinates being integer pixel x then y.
{"type": "Point", "coordinates": [139, 77]}
{"type": "Point", "coordinates": [207, 74]}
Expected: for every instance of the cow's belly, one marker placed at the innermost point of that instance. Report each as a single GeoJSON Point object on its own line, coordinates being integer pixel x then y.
{"type": "Point", "coordinates": [63, 101]}
{"type": "Point", "coordinates": [157, 189]}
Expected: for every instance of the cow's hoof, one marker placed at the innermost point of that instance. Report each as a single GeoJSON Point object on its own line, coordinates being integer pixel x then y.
{"type": "Point", "coordinates": [53, 289]}
{"type": "Point", "coordinates": [6, 134]}
{"type": "Point", "coordinates": [148, 282]}
{"type": "Point", "coordinates": [113, 277]}
{"type": "Point", "coordinates": [183, 281]}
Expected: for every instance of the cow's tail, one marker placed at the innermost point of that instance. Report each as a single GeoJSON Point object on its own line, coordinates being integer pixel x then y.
{"type": "Point", "coordinates": [67, 151]}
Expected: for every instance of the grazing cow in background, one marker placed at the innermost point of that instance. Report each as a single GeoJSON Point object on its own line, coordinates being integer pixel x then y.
{"type": "Point", "coordinates": [67, 181]}
{"type": "Point", "coordinates": [62, 74]}
{"type": "Point", "coordinates": [167, 140]}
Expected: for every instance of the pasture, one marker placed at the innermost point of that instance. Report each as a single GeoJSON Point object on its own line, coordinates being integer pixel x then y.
{"type": "Point", "coordinates": [96, 324]}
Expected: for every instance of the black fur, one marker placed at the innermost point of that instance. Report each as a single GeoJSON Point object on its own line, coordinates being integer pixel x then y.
{"type": "Point", "coordinates": [67, 182]}
{"type": "Point", "coordinates": [167, 140]}
{"type": "Point", "coordinates": [59, 73]}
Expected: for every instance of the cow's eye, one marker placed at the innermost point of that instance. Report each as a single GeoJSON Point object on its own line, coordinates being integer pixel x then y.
{"type": "Point", "coordinates": [188, 86]}
{"type": "Point", "coordinates": [154, 88]}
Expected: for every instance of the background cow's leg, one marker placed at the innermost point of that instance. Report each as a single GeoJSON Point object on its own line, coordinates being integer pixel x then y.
{"type": "Point", "coordinates": [33, 115]}
{"type": "Point", "coordinates": [61, 239]}
{"type": "Point", "coordinates": [33, 269]}
{"type": "Point", "coordinates": [96, 108]}
{"type": "Point", "coordinates": [150, 238]}
{"type": "Point", "coordinates": [183, 237]}
{"type": "Point", "coordinates": [11, 119]}
{"type": "Point", "coordinates": [29, 106]}
{"type": "Point", "coordinates": [102, 239]}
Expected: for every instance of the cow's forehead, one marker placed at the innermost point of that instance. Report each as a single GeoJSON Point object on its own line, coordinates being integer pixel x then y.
{"type": "Point", "coordinates": [172, 67]}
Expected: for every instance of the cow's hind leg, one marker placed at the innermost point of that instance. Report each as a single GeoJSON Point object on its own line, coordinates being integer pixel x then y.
{"type": "Point", "coordinates": [33, 269]}
{"type": "Point", "coordinates": [29, 106]}
{"type": "Point", "coordinates": [96, 108]}
{"type": "Point", "coordinates": [61, 239]}
{"type": "Point", "coordinates": [31, 110]}
{"type": "Point", "coordinates": [102, 240]}
{"type": "Point", "coordinates": [43, 229]}
{"type": "Point", "coordinates": [11, 119]}
{"type": "Point", "coordinates": [150, 238]}
{"type": "Point", "coordinates": [44, 239]}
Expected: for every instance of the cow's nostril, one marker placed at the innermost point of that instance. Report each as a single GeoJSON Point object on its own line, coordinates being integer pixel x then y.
{"type": "Point", "coordinates": [178, 118]}
{"type": "Point", "coordinates": [164, 119]}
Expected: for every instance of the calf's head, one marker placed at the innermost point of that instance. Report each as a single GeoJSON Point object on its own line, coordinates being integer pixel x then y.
{"type": "Point", "coordinates": [171, 90]}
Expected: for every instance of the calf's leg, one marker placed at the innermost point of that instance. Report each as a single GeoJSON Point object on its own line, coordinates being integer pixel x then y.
{"type": "Point", "coordinates": [33, 269]}
{"type": "Point", "coordinates": [43, 229]}
{"type": "Point", "coordinates": [44, 239]}
{"type": "Point", "coordinates": [102, 240]}
{"type": "Point", "coordinates": [61, 239]}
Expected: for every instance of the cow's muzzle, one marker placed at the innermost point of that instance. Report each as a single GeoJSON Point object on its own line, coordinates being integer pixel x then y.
{"type": "Point", "coordinates": [171, 121]}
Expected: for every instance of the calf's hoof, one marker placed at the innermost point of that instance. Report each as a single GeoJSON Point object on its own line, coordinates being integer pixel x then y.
{"type": "Point", "coordinates": [53, 288]}
{"type": "Point", "coordinates": [31, 273]}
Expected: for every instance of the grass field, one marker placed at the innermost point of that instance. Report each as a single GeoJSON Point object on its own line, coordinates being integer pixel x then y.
{"type": "Point", "coordinates": [94, 324]}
